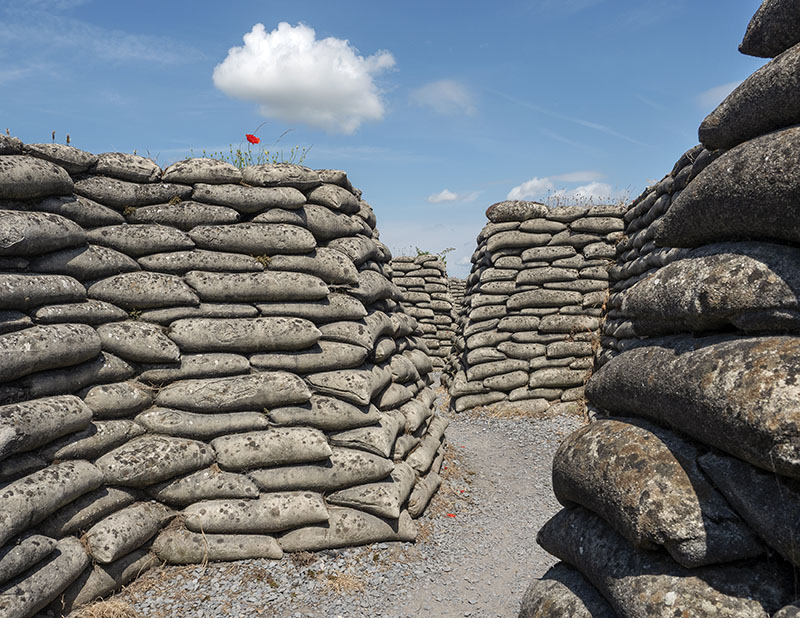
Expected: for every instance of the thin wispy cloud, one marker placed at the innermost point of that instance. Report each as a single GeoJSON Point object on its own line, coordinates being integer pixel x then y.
{"type": "Point", "coordinates": [579, 121]}
{"type": "Point", "coordinates": [43, 33]}
{"type": "Point", "coordinates": [565, 7]}
{"type": "Point", "coordinates": [564, 140]}
{"type": "Point", "coordinates": [580, 176]}
{"type": "Point", "coordinates": [650, 103]}
{"type": "Point", "coordinates": [294, 77]}
{"type": "Point", "coordinates": [708, 99]}
{"type": "Point", "coordinates": [445, 96]}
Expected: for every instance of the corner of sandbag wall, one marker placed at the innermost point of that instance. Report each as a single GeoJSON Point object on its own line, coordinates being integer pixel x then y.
{"type": "Point", "coordinates": [197, 363]}
{"type": "Point", "coordinates": [682, 497]}
{"type": "Point", "coordinates": [532, 307]}
{"type": "Point", "coordinates": [425, 295]}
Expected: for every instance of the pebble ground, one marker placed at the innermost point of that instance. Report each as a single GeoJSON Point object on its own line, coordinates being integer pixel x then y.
{"type": "Point", "coordinates": [476, 553]}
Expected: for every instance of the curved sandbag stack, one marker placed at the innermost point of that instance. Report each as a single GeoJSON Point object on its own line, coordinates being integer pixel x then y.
{"type": "Point", "coordinates": [532, 305]}
{"type": "Point", "coordinates": [685, 499]}
{"type": "Point", "coordinates": [204, 363]}
{"type": "Point", "coordinates": [425, 296]}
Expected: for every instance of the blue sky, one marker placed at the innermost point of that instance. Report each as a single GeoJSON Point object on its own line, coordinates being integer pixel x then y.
{"type": "Point", "coordinates": [435, 109]}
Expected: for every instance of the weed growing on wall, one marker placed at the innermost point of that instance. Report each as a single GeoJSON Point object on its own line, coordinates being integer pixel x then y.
{"type": "Point", "coordinates": [242, 156]}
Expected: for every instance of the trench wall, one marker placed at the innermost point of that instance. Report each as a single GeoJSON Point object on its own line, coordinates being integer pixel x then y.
{"type": "Point", "coordinates": [425, 296]}
{"type": "Point", "coordinates": [681, 498]}
{"type": "Point", "coordinates": [197, 363]}
{"type": "Point", "coordinates": [532, 306]}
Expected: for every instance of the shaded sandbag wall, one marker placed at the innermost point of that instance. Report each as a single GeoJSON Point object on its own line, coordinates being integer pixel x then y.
{"type": "Point", "coordinates": [202, 364]}
{"type": "Point", "coordinates": [425, 296]}
{"type": "Point", "coordinates": [533, 305]}
{"type": "Point", "coordinates": [683, 498]}
{"type": "Point", "coordinates": [456, 288]}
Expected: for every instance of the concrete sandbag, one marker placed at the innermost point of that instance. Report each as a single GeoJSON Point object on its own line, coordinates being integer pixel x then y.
{"type": "Point", "coordinates": [73, 160]}
{"type": "Point", "coordinates": [269, 513]}
{"type": "Point", "coordinates": [235, 394]}
{"type": "Point", "coordinates": [325, 413]}
{"type": "Point", "coordinates": [22, 292]}
{"type": "Point", "coordinates": [281, 175]}
{"type": "Point", "coordinates": [335, 307]}
{"type": "Point", "coordinates": [346, 528]}
{"type": "Point", "coordinates": [96, 440]}
{"type": "Point", "coordinates": [199, 169]}
{"type": "Point", "coordinates": [85, 263]}
{"type": "Point", "coordinates": [181, 262]}
{"type": "Point", "coordinates": [83, 512]}
{"type": "Point", "coordinates": [121, 194]}
{"type": "Point", "coordinates": [24, 178]}
{"type": "Point", "coordinates": [645, 482]}
{"type": "Point", "coordinates": [117, 400]}
{"type": "Point", "coordinates": [345, 468]}
{"type": "Point", "coordinates": [727, 392]}
{"type": "Point", "coordinates": [640, 584]}
{"type": "Point", "coordinates": [324, 356]}
{"type": "Point", "coordinates": [249, 199]}
{"type": "Point", "coordinates": [195, 426]}
{"type": "Point", "coordinates": [244, 336]}
{"type": "Point", "coordinates": [209, 484]}
{"type": "Point", "coordinates": [377, 439]}
{"type": "Point", "coordinates": [143, 290]}
{"type": "Point", "coordinates": [767, 502]}
{"type": "Point", "coordinates": [81, 210]}
{"type": "Point", "coordinates": [773, 29]}
{"type": "Point", "coordinates": [140, 239]}
{"type": "Point", "coordinates": [193, 366]}
{"type": "Point", "coordinates": [126, 166]}
{"type": "Point", "coordinates": [28, 595]}
{"type": "Point", "coordinates": [717, 206]}
{"type": "Point", "coordinates": [178, 546]}
{"type": "Point", "coordinates": [20, 555]}
{"type": "Point", "coordinates": [274, 447]}
{"type": "Point", "coordinates": [563, 591]}
{"type": "Point", "coordinates": [383, 499]}
{"type": "Point", "coordinates": [103, 579]}
{"type": "Point", "coordinates": [149, 459]}
{"type": "Point", "coordinates": [126, 530]}
{"type": "Point", "coordinates": [25, 233]}
{"type": "Point", "coordinates": [271, 286]}
{"type": "Point", "coordinates": [167, 316]}
{"type": "Point", "coordinates": [31, 424]}
{"type": "Point", "coordinates": [335, 198]}
{"type": "Point", "coordinates": [92, 312]}
{"type": "Point", "coordinates": [330, 265]}
{"type": "Point", "coordinates": [32, 498]}
{"type": "Point", "coordinates": [139, 342]}
{"type": "Point", "coordinates": [254, 238]}
{"type": "Point", "coordinates": [185, 215]}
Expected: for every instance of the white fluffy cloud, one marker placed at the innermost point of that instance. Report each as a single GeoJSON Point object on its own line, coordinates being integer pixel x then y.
{"type": "Point", "coordinates": [544, 189]}
{"type": "Point", "coordinates": [443, 196]}
{"type": "Point", "coordinates": [531, 189]}
{"type": "Point", "coordinates": [296, 78]}
{"type": "Point", "coordinates": [445, 96]}
{"type": "Point", "coordinates": [448, 196]}
{"type": "Point", "coordinates": [592, 193]}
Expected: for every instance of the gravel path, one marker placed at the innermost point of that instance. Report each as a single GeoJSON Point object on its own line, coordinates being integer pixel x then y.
{"type": "Point", "coordinates": [476, 554]}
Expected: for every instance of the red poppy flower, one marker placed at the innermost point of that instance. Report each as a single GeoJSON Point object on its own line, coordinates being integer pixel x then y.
{"type": "Point", "coordinates": [450, 515]}
{"type": "Point", "coordinates": [252, 138]}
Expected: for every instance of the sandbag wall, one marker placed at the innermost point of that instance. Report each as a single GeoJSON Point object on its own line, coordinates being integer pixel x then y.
{"type": "Point", "coordinates": [203, 363]}
{"type": "Point", "coordinates": [425, 296]}
{"type": "Point", "coordinates": [683, 497]}
{"type": "Point", "coordinates": [533, 305]}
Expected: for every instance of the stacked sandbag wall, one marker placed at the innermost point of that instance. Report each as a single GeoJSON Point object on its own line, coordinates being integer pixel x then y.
{"type": "Point", "coordinates": [425, 296]}
{"type": "Point", "coordinates": [201, 363]}
{"type": "Point", "coordinates": [533, 306]}
{"type": "Point", "coordinates": [456, 288]}
{"type": "Point", "coordinates": [683, 497]}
